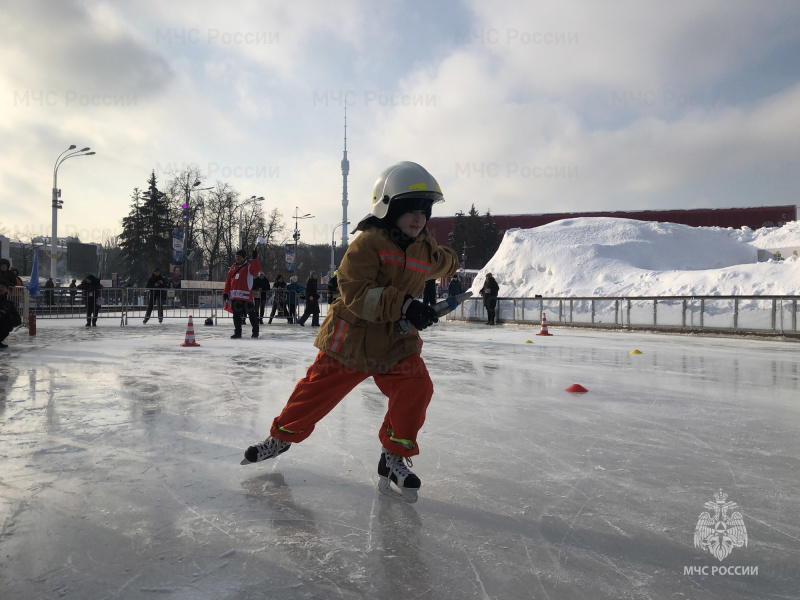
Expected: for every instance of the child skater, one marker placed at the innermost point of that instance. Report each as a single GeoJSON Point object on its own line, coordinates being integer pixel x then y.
{"type": "Point", "coordinates": [381, 274]}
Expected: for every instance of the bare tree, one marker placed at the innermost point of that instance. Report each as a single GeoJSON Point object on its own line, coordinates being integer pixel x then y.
{"type": "Point", "coordinates": [214, 211]}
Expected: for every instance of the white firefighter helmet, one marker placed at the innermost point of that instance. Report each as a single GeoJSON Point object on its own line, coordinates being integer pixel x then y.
{"type": "Point", "coordinates": [404, 180]}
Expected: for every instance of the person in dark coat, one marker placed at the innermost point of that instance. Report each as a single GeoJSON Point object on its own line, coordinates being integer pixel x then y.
{"type": "Point", "coordinates": [278, 298]}
{"type": "Point", "coordinates": [9, 317]}
{"type": "Point", "coordinates": [157, 286]}
{"type": "Point", "coordinates": [333, 287]}
{"type": "Point", "coordinates": [260, 289]}
{"type": "Point", "coordinates": [49, 294]}
{"type": "Point", "coordinates": [6, 276]}
{"type": "Point", "coordinates": [454, 289]}
{"type": "Point", "coordinates": [91, 286]}
{"type": "Point", "coordinates": [73, 291]}
{"type": "Point", "coordinates": [490, 291]}
{"type": "Point", "coordinates": [292, 296]}
{"type": "Point", "coordinates": [429, 293]}
{"type": "Point", "coordinates": [312, 303]}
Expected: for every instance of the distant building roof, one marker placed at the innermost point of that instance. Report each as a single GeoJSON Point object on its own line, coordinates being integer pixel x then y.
{"type": "Point", "coordinates": [753, 217]}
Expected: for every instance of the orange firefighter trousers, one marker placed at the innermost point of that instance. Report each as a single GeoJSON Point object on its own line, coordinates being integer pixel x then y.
{"type": "Point", "coordinates": [407, 385]}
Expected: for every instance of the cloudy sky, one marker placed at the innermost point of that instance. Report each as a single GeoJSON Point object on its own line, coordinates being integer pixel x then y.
{"type": "Point", "coordinates": [513, 106]}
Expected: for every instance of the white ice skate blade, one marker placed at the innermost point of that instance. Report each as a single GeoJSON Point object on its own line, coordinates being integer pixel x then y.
{"type": "Point", "coordinates": [405, 494]}
{"type": "Point", "coordinates": [246, 462]}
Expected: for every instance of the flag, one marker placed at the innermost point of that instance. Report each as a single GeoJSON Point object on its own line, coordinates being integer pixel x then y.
{"type": "Point", "coordinates": [260, 240]}
{"type": "Point", "coordinates": [33, 285]}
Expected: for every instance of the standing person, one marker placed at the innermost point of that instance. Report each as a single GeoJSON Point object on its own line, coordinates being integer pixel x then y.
{"type": "Point", "coordinates": [91, 286]}
{"type": "Point", "coordinates": [489, 291]}
{"type": "Point", "coordinates": [6, 276]}
{"type": "Point", "coordinates": [278, 298]}
{"type": "Point", "coordinates": [454, 289]}
{"type": "Point", "coordinates": [17, 285]}
{"type": "Point", "coordinates": [429, 294]}
{"type": "Point", "coordinates": [333, 287]}
{"type": "Point", "coordinates": [73, 291]}
{"type": "Point", "coordinates": [312, 302]}
{"type": "Point", "coordinates": [260, 289]}
{"type": "Point", "coordinates": [49, 294]}
{"type": "Point", "coordinates": [292, 298]}
{"type": "Point", "coordinates": [157, 293]}
{"type": "Point", "coordinates": [382, 272]}
{"type": "Point", "coordinates": [239, 288]}
{"type": "Point", "coordinates": [9, 317]}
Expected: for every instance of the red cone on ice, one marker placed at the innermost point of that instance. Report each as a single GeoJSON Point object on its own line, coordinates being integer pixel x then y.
{"type": "Point", "coordinates": [576, 388]}
{"type": "Point", "coordinates": [189, 341]}
{"type": "Point", "coordinates": [544, 326]}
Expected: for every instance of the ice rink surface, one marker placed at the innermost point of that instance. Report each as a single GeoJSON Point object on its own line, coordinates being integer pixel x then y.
{"type": "Point", "coordinates": [120, 474]}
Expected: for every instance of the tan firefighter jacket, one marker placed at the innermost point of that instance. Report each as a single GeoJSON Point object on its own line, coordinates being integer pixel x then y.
{"type": "Point", "coordinates": [360, 330]}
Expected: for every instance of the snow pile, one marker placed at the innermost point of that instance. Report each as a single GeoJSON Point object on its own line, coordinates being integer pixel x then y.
{"type": "Point", "coordinates": [603, 256]}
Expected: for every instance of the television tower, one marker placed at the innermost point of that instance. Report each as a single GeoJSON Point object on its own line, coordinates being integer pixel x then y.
{"type": "Point", "coordinates": [345, 171]}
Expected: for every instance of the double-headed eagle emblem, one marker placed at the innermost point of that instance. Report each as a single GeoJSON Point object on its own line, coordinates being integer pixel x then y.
{"type": "Point", "coordinates": [720, 534]}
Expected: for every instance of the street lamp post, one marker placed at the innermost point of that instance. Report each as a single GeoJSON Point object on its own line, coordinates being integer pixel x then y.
{"type": "Point", "coordinates": [298, 217]}
{"type": "Point", "coordinates": [68, 153]}
{"type": "Point", "coordinates": [186, 213]}
{"type": "Point", "coordinates": [250, 199]}
{"type": "Point", "coordinates": [333, 245]}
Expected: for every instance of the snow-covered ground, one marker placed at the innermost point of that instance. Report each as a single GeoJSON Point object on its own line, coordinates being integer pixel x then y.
{"type": "Point", "coordinates": [120, 474]}
{"type": "Point", "coordinates": [622, 257]}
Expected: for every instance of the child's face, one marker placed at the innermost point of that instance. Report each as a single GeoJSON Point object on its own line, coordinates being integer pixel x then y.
{"type": "Point", "coordinates": [412, 222]}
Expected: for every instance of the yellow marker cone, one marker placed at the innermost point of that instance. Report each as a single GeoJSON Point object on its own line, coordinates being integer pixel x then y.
{"type": "Point", "coordinates": [636, 351]}
{"type": "Point", "coordinates": [528, 342]}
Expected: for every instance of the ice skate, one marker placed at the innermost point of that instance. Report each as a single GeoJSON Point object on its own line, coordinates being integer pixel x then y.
{"type": "Point", "coordinates": [392, 468]}
{"type": "Point", "coordinates": [269, 448]}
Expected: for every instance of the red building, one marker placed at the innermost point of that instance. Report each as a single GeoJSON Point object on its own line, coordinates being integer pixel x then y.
{"type": "Point", "coordinates": [754, 218]}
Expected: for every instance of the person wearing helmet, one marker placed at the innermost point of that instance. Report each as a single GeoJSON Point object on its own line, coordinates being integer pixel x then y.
{"type": "Point", "coordinates": [381, 274]}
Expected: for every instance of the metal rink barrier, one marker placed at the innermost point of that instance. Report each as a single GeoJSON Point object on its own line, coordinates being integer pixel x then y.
{"type": "Point", "coordinates": [771, 315]}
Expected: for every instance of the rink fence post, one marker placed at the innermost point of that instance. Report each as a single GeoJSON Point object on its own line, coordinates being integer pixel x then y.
{"type": "Point", "coordinates": [735, 314]}
{"type": "Point", "coordinates": [774, 308]}
{"type": "Point", "coordinates": [683, 315]}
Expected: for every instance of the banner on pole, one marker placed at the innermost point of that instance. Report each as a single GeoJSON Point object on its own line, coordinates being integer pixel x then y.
{"type": "Point", "coordinates": [177, 245]}
{"type": "Point", "coordinates": [290, 258]}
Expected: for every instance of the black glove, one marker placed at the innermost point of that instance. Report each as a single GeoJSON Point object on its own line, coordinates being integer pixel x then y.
{"type": "Point", "coordinates": [420, 315]}
{"type": "Point", "coordinates": [224, 297]}
{"type": "Point", "coordinates": [255, 253]}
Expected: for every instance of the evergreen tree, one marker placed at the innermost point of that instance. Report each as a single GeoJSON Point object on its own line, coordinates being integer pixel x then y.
{"type": "Point", "coordinates": [490, 241]}
{"type": "Point", "coordinates": [146, 238]}
{"type": "Point", "coordinates": [157, 227]}
{"type": "Point", "coordinates": [131, 242]}
{"type": "Point", "coordinates": [470, 237]}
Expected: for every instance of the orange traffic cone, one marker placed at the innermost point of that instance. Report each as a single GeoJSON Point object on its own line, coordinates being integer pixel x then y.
{"type": "Point", "coordinates": [189, 341]}
{"type": "Point", "coordinates": [544, 326]}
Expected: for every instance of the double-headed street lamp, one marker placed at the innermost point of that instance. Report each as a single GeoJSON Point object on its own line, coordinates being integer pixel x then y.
{"type": "Point", "coordinates": [245, 203]}
{"type": "Point", "coordinates": [68, 153]}
{"type": "Point", "coordinates": [298, 217]}
{"type": "Point", "coordinates": [333, 244]}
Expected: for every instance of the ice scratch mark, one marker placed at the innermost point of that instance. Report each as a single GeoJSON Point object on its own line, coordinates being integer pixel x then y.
{"type": "Point", "coordinates": [371, 519]}
{"type": "Point", "coordinates": [469, 560]}
{"type": "Point", "coordinates": [752, 518]}
{"type": "Point", "coordinates": [572, 523]}
{"type": "Point", "coordinates": [533, 570]}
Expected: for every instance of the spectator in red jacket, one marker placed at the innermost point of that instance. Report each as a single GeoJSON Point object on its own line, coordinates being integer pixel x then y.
{"type": "Point", "coordinates": [239, 289]}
